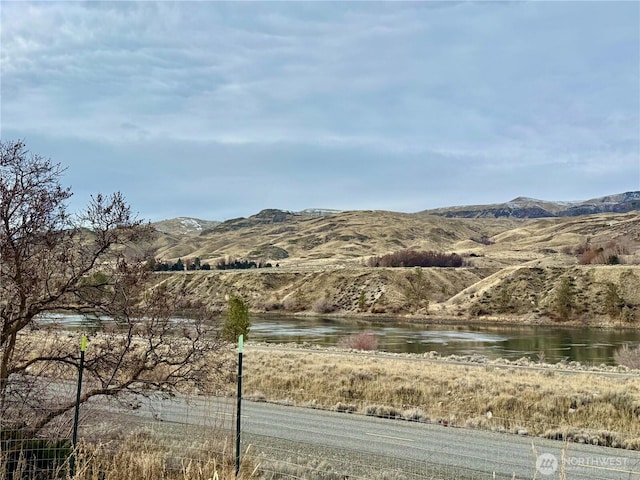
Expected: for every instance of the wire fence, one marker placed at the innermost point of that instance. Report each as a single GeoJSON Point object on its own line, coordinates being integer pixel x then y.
{"type": "Point", "coordinates": [192, 437]}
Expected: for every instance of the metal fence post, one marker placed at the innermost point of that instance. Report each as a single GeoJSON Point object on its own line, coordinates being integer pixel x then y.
{"type": "Point", "coordinates": [74, 438]}
{"type": "Point", "coordinates": [240, 348]}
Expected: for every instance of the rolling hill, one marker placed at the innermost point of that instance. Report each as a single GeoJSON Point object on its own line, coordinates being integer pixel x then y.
{"type": "Point", "coordinates": [514, 263]}
{"type": "Point", "coordinates": [334, 237]}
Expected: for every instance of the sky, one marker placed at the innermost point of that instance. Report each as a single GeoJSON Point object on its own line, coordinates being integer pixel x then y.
{"type": "Point", "coordinates": [218, 110]}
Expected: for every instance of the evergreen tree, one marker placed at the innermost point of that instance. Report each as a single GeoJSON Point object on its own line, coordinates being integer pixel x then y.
{"type": "Point", "coordinates": [178, 266]}
{"type": "Point", "coordinates": [237, 322]}
{"type": "Point", "coordinates": [565, 298]}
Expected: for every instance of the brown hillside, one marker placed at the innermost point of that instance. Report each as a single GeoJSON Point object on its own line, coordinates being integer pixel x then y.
{"type": "Point", "coordinates": [515, 267]}
{"type": "Point", "coordinates": [333, 239]}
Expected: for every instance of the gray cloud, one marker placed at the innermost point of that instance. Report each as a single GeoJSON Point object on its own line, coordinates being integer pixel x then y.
{"type": "Point", "coordinates": [330, 102]}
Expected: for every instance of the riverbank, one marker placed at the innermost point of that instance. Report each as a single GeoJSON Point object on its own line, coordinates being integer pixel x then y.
{"type": "Point", "coordinates": [435, 318]}
{"type": "Point", "coordinates": [528, 294]}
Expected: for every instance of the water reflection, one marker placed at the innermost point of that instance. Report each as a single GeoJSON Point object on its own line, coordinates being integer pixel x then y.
{"type": "Point", "coordinates": [553, 344]}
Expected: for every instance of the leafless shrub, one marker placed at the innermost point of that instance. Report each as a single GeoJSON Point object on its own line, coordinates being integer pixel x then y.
{"type": "Point", "coordinates": [602, 438]}
{"type": "Point", "coordinates": [359, 341]}
{"type": "Point", "coordinates": [270, 304]}
{"type": "Point", "coordinates": [256, 397]}
{"type": "Point", "coordinates": [415, 415]}
{"type": "Point", "coordinates": [417, 289]}
{"type": "Point", "coordinates": [323, 305]}
{"type": "Point", "coordinates": [627, 314]}
{"type": "Point", "coordinates": [301, 466]}
{"type": "Point", "coordinates": [484, 240]}
{"type": "Point", "coordinates": [294, 302]}
{"type": "Point", "coordinates": [606, 254]}
{"type": "Point", "coordinates": [627, 356]}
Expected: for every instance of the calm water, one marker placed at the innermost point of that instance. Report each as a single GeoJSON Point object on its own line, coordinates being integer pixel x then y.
{"type": "Point", "coordinates": [586, 345]}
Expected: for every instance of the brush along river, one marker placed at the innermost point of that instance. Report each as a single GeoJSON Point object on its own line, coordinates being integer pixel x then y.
{"type": "Point", "coordinates": [591, 346]}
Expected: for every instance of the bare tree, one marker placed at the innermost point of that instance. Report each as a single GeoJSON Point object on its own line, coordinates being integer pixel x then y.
{"type": "Point", "coordinates": [91, 264]}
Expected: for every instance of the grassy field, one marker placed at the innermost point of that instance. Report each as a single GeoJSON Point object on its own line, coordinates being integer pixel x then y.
{"type": "Point", "coordinates": [567, 402]}
{"type": "Point", "coordinates": [594, 407]}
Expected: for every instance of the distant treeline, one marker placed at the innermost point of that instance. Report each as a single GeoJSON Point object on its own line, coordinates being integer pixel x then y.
{"type": "Point", "coordinates": [195, 264]}
{"type": "Point", "coordinates": [179, 266]}
{"type": "Point", "coordinates": [415, 258]}
{"type": "Point", "coordinates": [229, 264]}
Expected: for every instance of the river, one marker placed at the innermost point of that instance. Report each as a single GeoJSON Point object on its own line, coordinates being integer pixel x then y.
{"type": "Point", "coordinates": [553, 344]}
{"type": "Point", "coordinates": [550, 343]}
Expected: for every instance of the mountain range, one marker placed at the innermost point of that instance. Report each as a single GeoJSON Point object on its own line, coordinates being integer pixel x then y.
{"type": "Point", "coordinates": [520, 207]}
{"type": "Point", "coordinates": [331, 236]}
{"type": "Point", "coordinates": [523, 207]}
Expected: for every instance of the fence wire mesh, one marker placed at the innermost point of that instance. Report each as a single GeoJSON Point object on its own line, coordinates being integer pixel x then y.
{"type": "Point", "coordinates": [192, 437]}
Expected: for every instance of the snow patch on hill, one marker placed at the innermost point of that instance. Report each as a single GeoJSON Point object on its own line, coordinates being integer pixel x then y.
{"type": "Point", "coordinates": [190, 223]}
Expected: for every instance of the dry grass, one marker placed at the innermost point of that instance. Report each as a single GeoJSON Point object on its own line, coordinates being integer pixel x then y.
{"type": "Point", "coordinates": [140, 456]}
{"type": "Point", "coordinates": [351, 237]}
{"type": "Point", "coordinates": [587, 407]}
{"type": "Point", "coordinates": [590, 407]}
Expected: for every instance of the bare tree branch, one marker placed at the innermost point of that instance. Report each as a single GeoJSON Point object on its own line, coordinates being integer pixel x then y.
{"type": "Point", "coordinates": [91, 264]}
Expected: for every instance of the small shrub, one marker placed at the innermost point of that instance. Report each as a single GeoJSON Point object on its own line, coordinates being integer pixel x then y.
{"type": "Point", "coordinates": [344, 407]}
{"type": "Point", "coordinates": [257, 396]}
{"type": "Point", "coordinates": [484, 240]}
{"type": "Point", "coordinates": [613, 301]}
{"type": "Point", "coordinates": [564, 301]}
{"type": "Point", "coordinates": [322, 305]}
{"type": "Point", "coordinates": [271, 304]}
{"type": "Point", "coordinates": [362, 302]}
{"type": "Point", "coordinates": [27, 457]}
{"type": "Point", "coordinates": [627, 356]}
{"type": "Point", "coordinates": [294, 302]}
{"type": "Point", "coordinates": [477, 310]}
{"type": "Point", "coordinates": [613, 260]}
{"type": "Point", "coordinates": [627, 315]}
{"type": "Point", "coordinates": [415, 415]}
{"type": "Point", "coordinates": [359, 341]}
{"type": "Point", "coordinates": [382, 411]}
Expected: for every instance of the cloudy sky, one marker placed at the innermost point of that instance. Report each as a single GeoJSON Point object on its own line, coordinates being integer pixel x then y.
{"type": "Point", "coordinates": [218, 110]}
